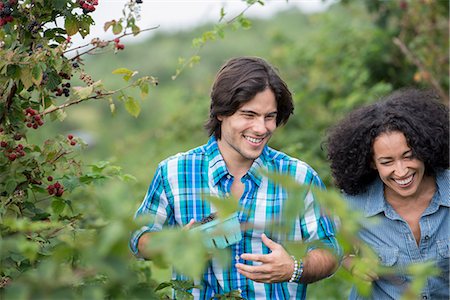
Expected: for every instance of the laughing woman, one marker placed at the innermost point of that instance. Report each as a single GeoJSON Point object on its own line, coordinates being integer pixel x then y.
{"type": "Point", "coordinates": [391, 160]}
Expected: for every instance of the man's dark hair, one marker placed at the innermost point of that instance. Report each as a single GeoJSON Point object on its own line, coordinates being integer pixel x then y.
{"type": "Point", "coordinates": [237, 82]}
{"type": "Point", "coordinates": [416, 113]}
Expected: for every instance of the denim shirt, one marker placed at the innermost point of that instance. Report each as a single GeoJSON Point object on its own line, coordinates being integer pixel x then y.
{"type": "Point", "coordinates": [393, 241]}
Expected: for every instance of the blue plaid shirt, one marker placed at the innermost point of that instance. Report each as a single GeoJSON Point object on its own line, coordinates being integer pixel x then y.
{"type": "Point", "coordinates": [174, 196]}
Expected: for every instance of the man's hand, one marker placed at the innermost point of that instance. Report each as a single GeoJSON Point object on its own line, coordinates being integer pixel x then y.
{"type": "Point", "coordinates": [276, 266]}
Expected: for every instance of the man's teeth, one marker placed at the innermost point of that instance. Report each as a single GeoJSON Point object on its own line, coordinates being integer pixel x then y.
{"type": "Point", "coordinates": [253, 140]}
{"type": "Point", "coordinates": [404, 181]}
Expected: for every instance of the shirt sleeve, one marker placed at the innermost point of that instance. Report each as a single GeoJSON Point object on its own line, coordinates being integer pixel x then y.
{"type": "Point", "coordinates": [317, 226]}
{"type": "Point", "coordinates": [154, 210]}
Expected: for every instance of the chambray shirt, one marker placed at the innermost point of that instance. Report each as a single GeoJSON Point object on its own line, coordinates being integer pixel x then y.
{"type": "Point", "coordinates": [392, 239]}
{"type": "Point", "coordinates": [175, 197]}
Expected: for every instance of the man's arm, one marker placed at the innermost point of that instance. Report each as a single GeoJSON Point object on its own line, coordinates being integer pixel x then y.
{"type": "Point", "coordinates": [145, 239]}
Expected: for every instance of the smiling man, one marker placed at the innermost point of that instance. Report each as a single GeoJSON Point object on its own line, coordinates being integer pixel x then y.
{"type": "Point", "coordinates": [248, 102]}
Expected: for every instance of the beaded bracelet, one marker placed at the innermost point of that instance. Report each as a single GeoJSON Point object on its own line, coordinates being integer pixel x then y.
{"type": "Point", "coordinates": [298, 270]}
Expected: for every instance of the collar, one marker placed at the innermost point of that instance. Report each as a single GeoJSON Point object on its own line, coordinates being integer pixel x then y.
{"type": "Point", "coordinates": [443, 187]}
{"type": "Point", "coordinates": [218, 168]}
{"type": "Point", "coordinates": [375, 203]}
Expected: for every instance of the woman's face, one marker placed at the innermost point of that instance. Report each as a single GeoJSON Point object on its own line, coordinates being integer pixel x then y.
{"type": "Point", "coordinates": [400, 171]}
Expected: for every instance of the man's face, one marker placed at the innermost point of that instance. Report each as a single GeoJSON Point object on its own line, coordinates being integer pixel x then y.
{"type": "Point", "coordinates": [248, 130]}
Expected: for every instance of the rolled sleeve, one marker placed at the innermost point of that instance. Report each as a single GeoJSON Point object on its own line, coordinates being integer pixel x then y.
{"type": "Point", "coordinates": [155, 208]}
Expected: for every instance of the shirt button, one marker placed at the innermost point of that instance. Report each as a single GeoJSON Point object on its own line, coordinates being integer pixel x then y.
{"type": "Point", "coordinates": [228, 176]}
{"type": "Point", "coordinates": [236, 257]}
{"type": "Point", "coordinates": [424, 297]}
{"type": "Point", "coordinates": [427, 237]}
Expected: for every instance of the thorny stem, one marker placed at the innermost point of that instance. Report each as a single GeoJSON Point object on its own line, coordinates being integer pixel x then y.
{"type": "Point", "coordinates": [98, 95]}
{"type": "Point", "coordinates": [109, 41]}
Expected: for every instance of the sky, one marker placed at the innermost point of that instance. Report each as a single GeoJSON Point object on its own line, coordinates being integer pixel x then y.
{"type": "Point", "coordinates": [175, 15]}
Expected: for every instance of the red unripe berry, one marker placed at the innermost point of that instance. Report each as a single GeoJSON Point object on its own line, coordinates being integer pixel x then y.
{"type": "Point", "coordinates": [73, 143]}
{"type": "Point", "coordinates": [12, 157]}
{"type": "Point", "coordinates": [70, 136]}
{"type": "Point", "coordinates": [37, 117]}
{"type": "Point", "coordinates": [35, 126]}
{"type": "Point", "coordinates": [40, 122]}
{"type": "Point", "coordinates": [50, 178]}
{"type": "Point", "coordinates": [3, 144]}
{"type": "Point", "coordinates": [59, 192]}
{"type": "Point", "coordinates": [57, 185]}
{"type": "Point", "coordinates": [29, 125]}
{"type": "Point", "coordinates": [120, 46]}
{"type": "Point", "coordinates": [116, 40]}
{"type": "Point", "coordinates": [51, 189]}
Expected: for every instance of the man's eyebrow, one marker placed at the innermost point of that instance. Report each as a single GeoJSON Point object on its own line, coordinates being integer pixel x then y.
{"type": "Point", "coordinates": [248, 111]}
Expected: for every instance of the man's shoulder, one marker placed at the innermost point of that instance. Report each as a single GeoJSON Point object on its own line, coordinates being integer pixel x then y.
{"type": "Point", "coordinates": [288, 164]}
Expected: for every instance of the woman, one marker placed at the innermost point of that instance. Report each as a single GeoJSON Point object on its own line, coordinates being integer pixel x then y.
{"type": "Point", "coordinates": [391, 159]}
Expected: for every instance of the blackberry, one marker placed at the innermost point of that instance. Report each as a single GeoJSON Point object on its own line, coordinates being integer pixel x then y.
{"type": "Point", "coordinates": [207, 219]}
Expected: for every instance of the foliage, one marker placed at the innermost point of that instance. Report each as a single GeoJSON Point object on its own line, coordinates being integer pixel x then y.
{"type": "Point", "coordinates": [70, 240]}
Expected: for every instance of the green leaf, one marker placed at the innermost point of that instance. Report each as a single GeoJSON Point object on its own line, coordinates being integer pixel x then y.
{"type": "Point", "coordinates": [132, 106]}
{"type": "Point", "coordinates": [117, 28]}
{"type": "Point", "coordinates": [71, 25]}
{"type": "Point", "coordinates": [122, 71]}
{"type": "Point", "coordinates": [109, 24]}
{"type": "Point", "coordinates": [144, 89]}
{"type": "Point", "coordinates": [225, 206]}
{"type": "Point", "coordinates": [83, 92]}
{"type": "Point", "coordinates": [58, 206]}
{"type": "Point", "coordinates": [36, 75]}
{"type": "Point", "coordinates": [135, 29]}
{"type": "Point", "coordinates": [25, 77]}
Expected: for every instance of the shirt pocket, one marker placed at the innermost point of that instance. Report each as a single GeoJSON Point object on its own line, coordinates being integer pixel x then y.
{"type": "Point", "coordinates": [389, 257]}
{"type": "Point", "coordinates": [443, 250]}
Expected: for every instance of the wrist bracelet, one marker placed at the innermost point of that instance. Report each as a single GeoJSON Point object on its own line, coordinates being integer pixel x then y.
{"type": "Point", "coordinates": [298, 270]}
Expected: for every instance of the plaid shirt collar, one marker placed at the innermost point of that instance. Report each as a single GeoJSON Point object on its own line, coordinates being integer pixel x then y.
{"type": "Point", "coordinates": [218, 168]}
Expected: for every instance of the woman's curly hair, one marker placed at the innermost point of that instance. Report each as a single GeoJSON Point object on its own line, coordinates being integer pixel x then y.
{"type": "Point", "coordinates": [416, 113]}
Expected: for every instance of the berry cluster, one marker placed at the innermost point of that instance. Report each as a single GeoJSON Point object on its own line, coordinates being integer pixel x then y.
{"type": "Point", "coordinates": [71, 140]}
{"type": "Point", "coordinates": [207, 219]}
{"type": "Point", "coordinates": [118, 45]}
{"type": "Point", "coordinates": [6, 11]}
{"type": "Point", "coordinates": [86, 78]}
{"type": "Point", "coordinates": [88, 5]}
{"type": "Point", "coordinates": [64, 89]}
{"type": "Point", "coordinates": [12, 153]}
{"type": "Point", "coordinates": [32, 118]}
{"type": "Point", "coordinates": [56, 189]}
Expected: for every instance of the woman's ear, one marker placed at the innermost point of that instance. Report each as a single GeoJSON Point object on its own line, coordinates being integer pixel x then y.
{"type": "Point", "coordinates": [373, 165]}
{"type": "Point", "coordinates": [220, 118]}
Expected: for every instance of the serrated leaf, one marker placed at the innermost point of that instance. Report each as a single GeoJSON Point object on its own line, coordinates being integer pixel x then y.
{"type": "Point", "coordinates": [135, 29]}
{"type": "Point", "coordinates": [71, 25]}
{"type": "Point", "coordinates": [132, 106]}
{"type": "Point", "coordinates": [58, 206]}
{"type": "Point", "coordinates": [25, 77]}
{"type": "Point", "coordinates": [36, 75]}
{"type": "Point", "coordinates": [117, 28]}
{"type": "Point", "coordinates": [83, 92]}
{"type": "Point", "coordinates": [122, 71]}
{"type": "Point", "coordinates": [108, 24]}
{"type": "Point", "coordinates": [144, 89]}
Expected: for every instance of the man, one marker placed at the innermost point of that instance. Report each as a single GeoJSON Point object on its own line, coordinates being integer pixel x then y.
{"type": "Point", "coordinates": [248, 102]}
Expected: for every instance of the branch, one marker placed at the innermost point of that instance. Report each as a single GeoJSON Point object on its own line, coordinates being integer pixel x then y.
{"type": "Point", "coordinates": [416, 61]}
{"type": "Point", "coordinates": [98, 95]}
{"type": "Point", "coordinates": [109, 41]}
